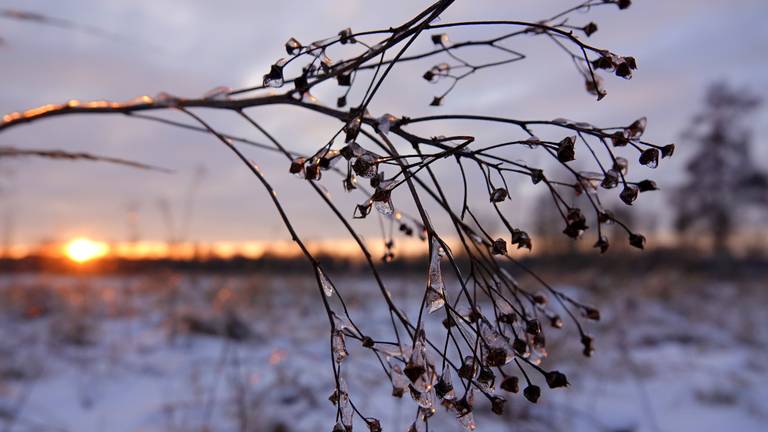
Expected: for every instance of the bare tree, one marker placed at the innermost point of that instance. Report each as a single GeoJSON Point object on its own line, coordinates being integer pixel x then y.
{"type": "Point", "coordinates": [493, 330]}
{"type": "Point", "coordinates": [722, 175]}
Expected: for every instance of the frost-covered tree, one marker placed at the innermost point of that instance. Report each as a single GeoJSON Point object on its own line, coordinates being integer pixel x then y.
{"type": "Point", "coordinates": [723, 178]}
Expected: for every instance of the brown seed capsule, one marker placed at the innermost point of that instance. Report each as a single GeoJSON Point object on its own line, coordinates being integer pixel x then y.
{"type": "Point", "coordinates": [556, 379]}
{"type": "Point", "coordinates": [497, 405]}
{"type": "Point", "coordinates": [499, 247]}
{"type": "Point", "coordinates": [637, 240]}
{"type": "Point", "coordinates": [532, 393]}
{"type": "Point", "coordinates": [511, 384]}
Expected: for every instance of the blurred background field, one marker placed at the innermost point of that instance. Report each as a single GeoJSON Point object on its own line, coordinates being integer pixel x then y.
{"type": "Point", "coordinates": [681, 346]}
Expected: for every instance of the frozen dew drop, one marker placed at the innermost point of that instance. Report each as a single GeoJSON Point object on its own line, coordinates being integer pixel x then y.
{"type": "Point", "coordinates": [339, 346]}
{"type": "Point", "coordinates": [384, 207]}
{"type": "Point", "coordinates": [385, 122]}
{"type": "Point", "coordinates": [325, 283]}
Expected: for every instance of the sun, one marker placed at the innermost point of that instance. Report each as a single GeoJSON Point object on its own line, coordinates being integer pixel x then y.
{"type": "Point", "coordinates": [81, 250]}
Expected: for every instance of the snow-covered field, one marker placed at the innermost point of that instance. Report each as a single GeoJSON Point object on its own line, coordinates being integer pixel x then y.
{"type": "Point", "coordinates": [141, 353]}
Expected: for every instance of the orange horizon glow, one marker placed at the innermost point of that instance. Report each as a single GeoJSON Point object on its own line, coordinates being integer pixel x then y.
{"type": "Point", "coordinates": [82, 250]}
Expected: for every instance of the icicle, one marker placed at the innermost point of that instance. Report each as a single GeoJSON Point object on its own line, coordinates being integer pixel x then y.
{"type": "Point", "coordinates": [385, 123]}
{"type": "Point", "coordinates": [435, 286]}
{"type": "Point", "coordinates": [384, 207]}
{"type": "Point", "coordinates": [399, 381]}
{"type": "Point", "coordinates": [339, 346]}
{"type": "Point", "coordinates": [325, 283]}
{"type": "Point", "coordinates": [345, 405]}
{"type": "Point", "coordinates": [467, 421]}
{"type": "Point", "coordinates": [444, 386]}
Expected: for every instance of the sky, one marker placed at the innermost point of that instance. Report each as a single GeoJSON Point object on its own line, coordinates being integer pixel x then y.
{"type": "Point", "coordinates": [186, 47]}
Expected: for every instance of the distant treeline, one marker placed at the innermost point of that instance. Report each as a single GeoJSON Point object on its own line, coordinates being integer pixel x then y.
{"type": "Point", "coordinates": [628, 262]}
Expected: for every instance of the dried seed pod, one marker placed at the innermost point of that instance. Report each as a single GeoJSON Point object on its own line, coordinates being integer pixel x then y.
{"type": "Point", "coordinates": [650, 158]}
{"type": "Point", "coordinates": [499, 247]}
{"type": "Point", "coordinates": [499, 195]}
{"type": "Point", "coordinates": [629, 194]}
{"type": "Point", "coordinates": [532, 393]}
{"type": "Point", "coordinates": [637, 240]}
{"type": "Point", "coordinates": [566, 149]}
{"type": "Point", "coordinates": [556, 379]}
{"type": "Point", "coordinates": [589, 29]}
{"type": "Point", "coordinates": [497, 405]}
{"type": "Point", "coordinates": [511, 384]}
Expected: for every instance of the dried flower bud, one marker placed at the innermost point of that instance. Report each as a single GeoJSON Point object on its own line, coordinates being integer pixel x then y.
{"type": "Point", "coordinates": [362, 210]}
{"type": "Point", "coordinates": [602, 62]}
{"type": "Point", "coordinates": [374, 425]}
{"type": "Point", "coordinates": [341, 102]}
{"type": "Point", "coordinates": [520, 346]}
{"type": "Point", "coordinates": [486, 377]}
{"type": "Point", "coordinates": [497, 405]}
{"type": "Point", "coordinates": [468, 368]}
{"type": "Point", "coordinates": [537, 175]}
{"type": "Point", "coordinates": [629, 194]}
{"type": "Point", "coordinates": [499, 247]}
{"type": "Point", "coordinates": [532, 393]}
{"type": "Point", "coordinates": [511, 384]}
{"type": "Point", "coordinates": [637, 128]}
{"type": "Point", "coordinates": [556, 379]}
{"type": "Point", "coordinates": [339, 427]}
{"type": "Point", "coordinates": [496, 356]}
{"type": "Point", "coordinates": [619, 139]}
{"type": "Point", "coordinates": [521, 239]}
{"type": "Point", "coordinates": [297, 165]}
{"type": "Point", "coordinates": [292, 46]}
{"type": "Point", "coordinates": [344, 80]}
{"type": "Point", "coordinates": [301, 84]}
{"type": "Point", "coordinates": [591, 313]}
{"type": "Point", "coordinates": [345, 36]}
{"type": "Point", "coordinates": [440, 39]}
{"type": "Point", "coordinates": [414, 371]}
{"type": "Point", "coordinates": [668, 150]}
{"type": "Point", "coordinates": [566, 149]}
{"type": "Point", "coordinates": [429, 75]}
{"type": "Point", "coordinates": [602, 244]}
{"type": "Point", "coordinates": [312, 172]}
{"type": "Point", "coordinates": [623, 70]}
{"type": "Point", "coordinates": [539, 299]}
{"type": "Point", "coordinates": [508, 318]}
{"type": "Point", "coordinates": [589, 29]}
{"type": "Point", "coordinates": [555, 321]}
{"type": "Point", "coordinates": [532, 327]}
{"type": "Point", "coordinates": [436, 101]}
{"type": "Point", "coordinates": [623, 4]}
{"type": "Point", "coordinates": [586, 342]}
{"type": "Point", "coordinates": [650, 157]}
{"type": "Point", "coordinates": [499, 195]}
{"type": "Point", "coordinates": [647, 185]}
{"type": "Point", "coordinates": [610, 180]}
{"type": "Point", "coordinates": [637, 240]}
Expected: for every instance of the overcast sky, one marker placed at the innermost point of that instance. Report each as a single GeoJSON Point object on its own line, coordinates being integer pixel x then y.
{"type": "Point", "coordinates": [186, 47]}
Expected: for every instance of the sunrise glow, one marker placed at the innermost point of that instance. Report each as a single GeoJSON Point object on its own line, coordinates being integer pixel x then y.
{"type": "Point", "coordinates": [82, 250]}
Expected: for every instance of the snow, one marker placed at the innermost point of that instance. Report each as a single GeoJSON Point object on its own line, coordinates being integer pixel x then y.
{"type": "Point", "coordinates": [108, 355]}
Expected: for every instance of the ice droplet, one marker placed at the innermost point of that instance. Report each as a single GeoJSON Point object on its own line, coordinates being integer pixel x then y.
{"type": "Point", "coordinates": [325, 283]}
{"type": "Point", "coordinates": [385, 123]}
{"type": "Point", "coordinates": [435, 286]}
{"type": "Point", "coordinates": [345, 405]}
{"type": "Point", "coordinates": [339, 346]}
{"type": "Point", "coordinates": [467, 421]}
{"type": "Point", "coordinates": [384, 207]}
